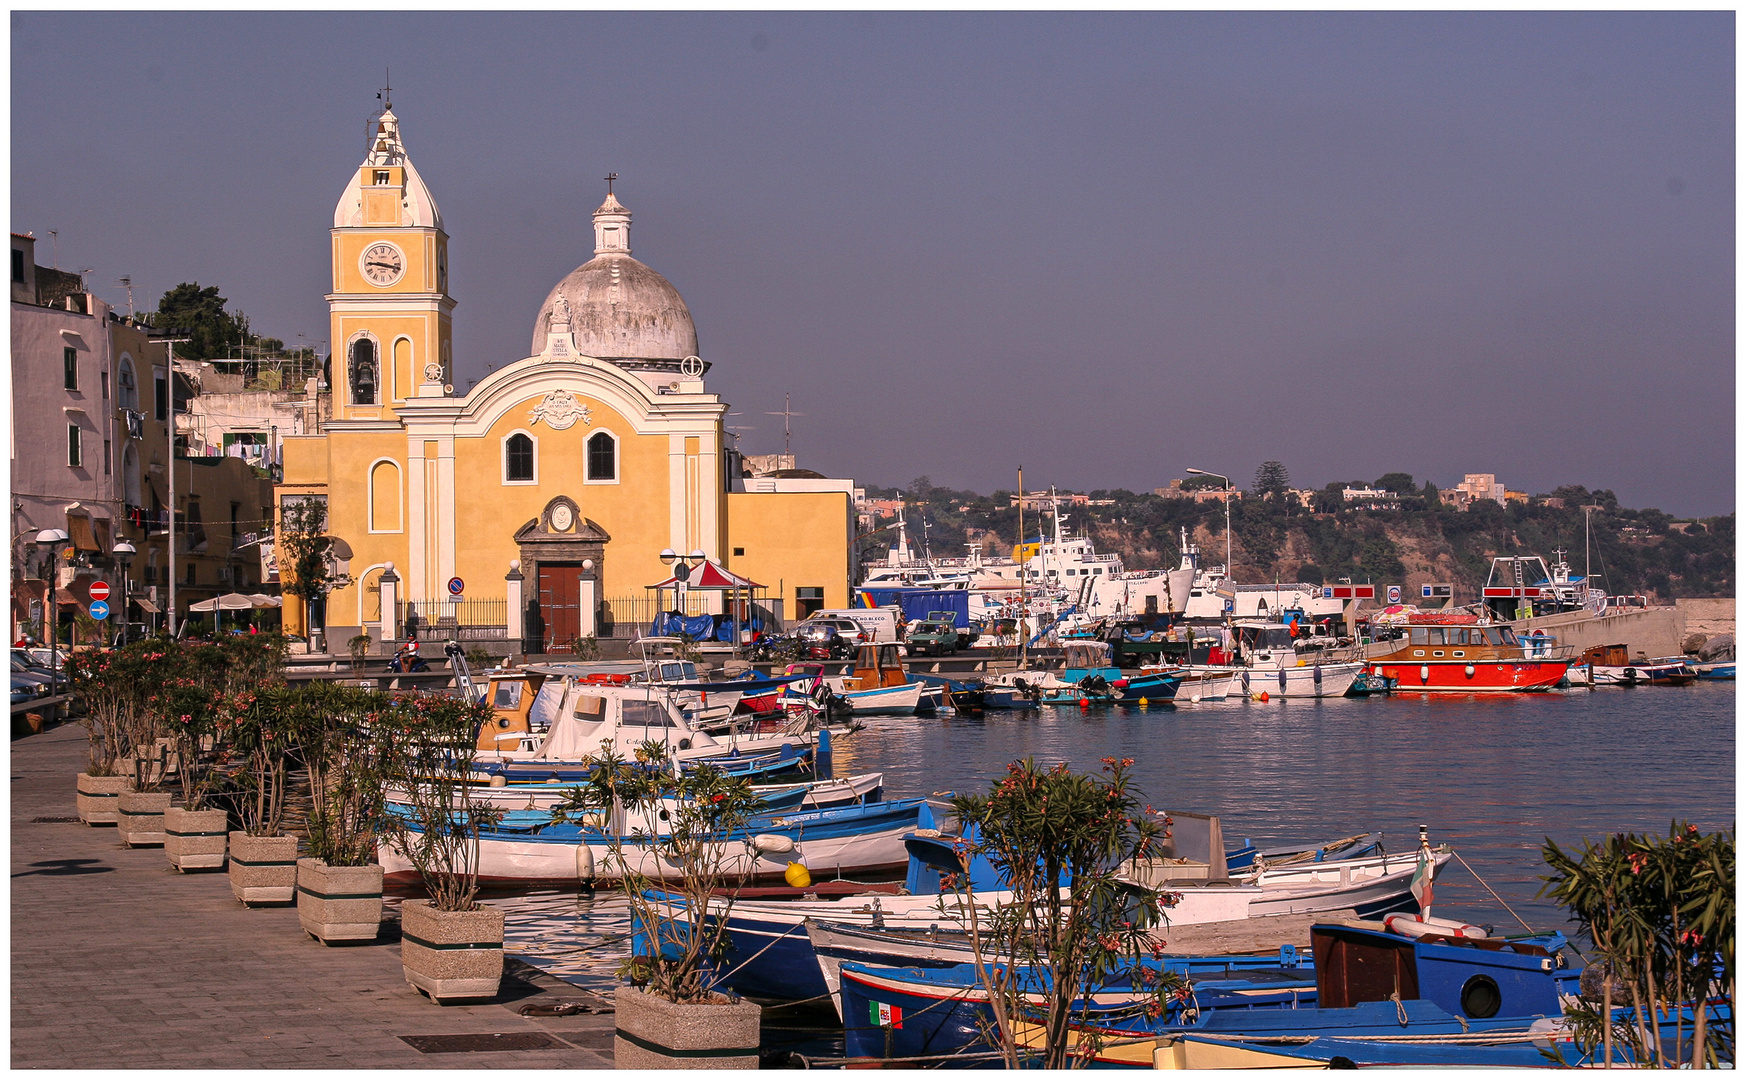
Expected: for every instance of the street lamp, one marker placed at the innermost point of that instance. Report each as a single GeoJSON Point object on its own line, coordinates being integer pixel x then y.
{"type": "Point", "coordinates": [124, 553]}
{"type": "Point", "coordinates": [1227, 480]}
{"type": "Point", "coordinates": [50, 540]}
{"type": "Point", "coordinates": [682, 566]}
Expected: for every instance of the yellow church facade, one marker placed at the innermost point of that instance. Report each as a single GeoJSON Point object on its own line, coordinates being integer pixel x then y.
{"type": "Point", "coordinates": [558, 481]}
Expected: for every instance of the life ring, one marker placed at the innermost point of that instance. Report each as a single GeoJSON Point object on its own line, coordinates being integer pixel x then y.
{"type": "Point", "coordinates": [1414, 926]}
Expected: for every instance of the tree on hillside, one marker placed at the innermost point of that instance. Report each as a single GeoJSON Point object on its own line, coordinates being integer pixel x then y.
{"type": "Point", "coordinates": [200, 315]}
{"type": "Point", "coordinates": [1398, 482]}
{"type": "Point", "coordinates": [1271, 479]}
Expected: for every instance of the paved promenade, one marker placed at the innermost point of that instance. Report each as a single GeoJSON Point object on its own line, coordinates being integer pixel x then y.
{"type": "Point", "coordinates": [120, 962]}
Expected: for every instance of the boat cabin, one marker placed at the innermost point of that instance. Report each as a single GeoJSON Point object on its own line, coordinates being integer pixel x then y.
{"type": "Point", "coordinates": [1605, 656]}
{"type": "Point", "coordinates": [511, 694]}
{"type": "Point", "coordinates": [1475, 978]}
{"type": "Point", "coordinates": [876, 667]}
{"type": "Point", "coordinates": [626, 716]}
{"type": "Point", "coordinates": [1087, 656]}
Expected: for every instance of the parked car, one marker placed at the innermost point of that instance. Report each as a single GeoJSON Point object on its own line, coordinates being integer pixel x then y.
{"type": "Point", "coordinates": [932, 637]}
{"type": "Point", "coordinates": [21, 673]}
{"type": "Point", "coordinates": [24, 663]}
{"type": "Point", "coordinates": [25, 688]}
{"type": "Point", "coordinates": [822, 639]}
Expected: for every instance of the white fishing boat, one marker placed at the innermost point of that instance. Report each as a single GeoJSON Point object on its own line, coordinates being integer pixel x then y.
{"type": "Point", "coordinates": [846, 841]}
{"type": "Point", "coordinates": [1272, 663]}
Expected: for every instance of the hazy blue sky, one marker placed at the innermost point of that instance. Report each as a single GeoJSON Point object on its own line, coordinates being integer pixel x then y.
{"type": "Point", "coordinates": [1105, 247]}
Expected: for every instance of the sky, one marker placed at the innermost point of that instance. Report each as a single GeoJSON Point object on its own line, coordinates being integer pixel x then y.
{"type": "Point", "coordinates": [1104, 247]}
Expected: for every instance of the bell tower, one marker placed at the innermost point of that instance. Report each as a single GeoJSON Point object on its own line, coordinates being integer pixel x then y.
{"type": "Point", "coordinates": [390, 313]}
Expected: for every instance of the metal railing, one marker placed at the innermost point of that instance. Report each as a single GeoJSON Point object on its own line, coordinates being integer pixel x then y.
{"type": "Point", "coordinates": [464, 620]}
{"type": "Point", "coordinates": [631, 616]}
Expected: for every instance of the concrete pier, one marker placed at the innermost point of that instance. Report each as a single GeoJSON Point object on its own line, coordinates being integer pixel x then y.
{"type": "Point", "coordinates": [118, 961]}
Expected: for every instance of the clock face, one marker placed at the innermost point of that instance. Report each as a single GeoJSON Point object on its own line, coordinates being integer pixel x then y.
{"type": "Point", "coordinates": [561, 518]}
{"type": "Point", "coordinates": [382, 264]}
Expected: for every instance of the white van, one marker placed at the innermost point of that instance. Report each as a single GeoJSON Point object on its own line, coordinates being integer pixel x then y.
{"type": "Point", "coordinates": [880, 622]}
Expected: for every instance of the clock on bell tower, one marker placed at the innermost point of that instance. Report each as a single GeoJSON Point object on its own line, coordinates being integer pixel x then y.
{"type": "Point", "coordinates": [390, 309]}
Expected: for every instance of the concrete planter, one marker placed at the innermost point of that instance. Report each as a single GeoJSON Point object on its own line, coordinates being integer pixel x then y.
{"type": "Point", "coordinates": [98, 796]}
{"type": "Point", "coordinates": [194, 839]}
{"type": "Point", "coordinates": [339, 903]}
{"type": "Point", "coordinates": [263, 869]}
{"type": "Point", "coordinates": [451, 955]}
{"type": "Point", "coordinates": [654, 1033]}
{"type": "Point", "coordinates": [140, 817]}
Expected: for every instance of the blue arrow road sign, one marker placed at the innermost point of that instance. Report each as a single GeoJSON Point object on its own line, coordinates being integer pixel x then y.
{"type": "Point", "coordinates": [99, 610]}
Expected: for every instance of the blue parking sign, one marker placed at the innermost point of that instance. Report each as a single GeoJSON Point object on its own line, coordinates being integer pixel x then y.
{"type": "Point", "coordinates": [99, 610]}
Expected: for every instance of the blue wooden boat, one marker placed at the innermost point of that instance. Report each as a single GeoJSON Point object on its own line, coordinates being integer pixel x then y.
{"type": "Point", "coordinates": [1721, 669]}
{"type": "Point", "coordinates": [1445, 987]}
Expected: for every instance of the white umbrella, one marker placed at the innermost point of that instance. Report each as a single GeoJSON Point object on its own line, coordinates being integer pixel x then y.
{"type": "Point", "coordinates": [227, 602]}
{"type": "Point", "coordinates": [263, 600]}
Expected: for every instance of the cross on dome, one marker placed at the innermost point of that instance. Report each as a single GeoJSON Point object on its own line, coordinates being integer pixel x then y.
{"type": "Point", "coordinates": [612, 224]}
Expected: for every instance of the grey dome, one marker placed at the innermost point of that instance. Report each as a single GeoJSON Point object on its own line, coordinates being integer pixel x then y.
{"type": "Point", "coordinates": [620, 309]}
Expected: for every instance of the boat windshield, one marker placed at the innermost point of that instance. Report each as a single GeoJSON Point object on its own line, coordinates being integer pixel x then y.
{"type": "Point", "coordinates": [1272, 638]}
{"type": "Point", "coordinates": [508, 694]}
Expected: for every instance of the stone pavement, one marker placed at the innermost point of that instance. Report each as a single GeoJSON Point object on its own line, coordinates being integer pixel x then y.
{"type": "Point", "coordinates": [118, 961]}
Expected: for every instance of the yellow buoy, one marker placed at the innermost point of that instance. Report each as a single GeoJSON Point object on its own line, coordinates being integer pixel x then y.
{"type": "Point", "coordinates": [1143, 703]}
{"type": "Point", "coordinates": [797, 875]}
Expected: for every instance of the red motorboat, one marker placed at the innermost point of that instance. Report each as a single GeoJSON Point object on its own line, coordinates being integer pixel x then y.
{"type": "Point", "coordinates": [1476, 658]}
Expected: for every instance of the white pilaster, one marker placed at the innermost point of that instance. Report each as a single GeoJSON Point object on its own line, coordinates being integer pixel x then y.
{"type": "Point", "coordinates": [416, 516]}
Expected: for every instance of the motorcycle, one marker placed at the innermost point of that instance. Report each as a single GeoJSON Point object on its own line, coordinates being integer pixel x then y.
{"type": "Point", "coordinates": [406, 660]}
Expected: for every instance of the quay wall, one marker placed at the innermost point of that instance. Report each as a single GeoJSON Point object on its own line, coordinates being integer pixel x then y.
{"type": "Point", "coordinates": [1708, 617]}
{"type": "Point", "coordinates": [1656, 631]}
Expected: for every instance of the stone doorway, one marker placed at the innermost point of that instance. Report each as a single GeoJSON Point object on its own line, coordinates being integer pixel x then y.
{"type": "Point", "coordinates": [562, 557]}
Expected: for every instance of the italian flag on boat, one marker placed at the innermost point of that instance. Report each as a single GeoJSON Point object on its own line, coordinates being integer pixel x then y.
{"type": "Point", "coordinates": [884, 1015]}
{"type": "Point", "coordinates": [1421, 883]}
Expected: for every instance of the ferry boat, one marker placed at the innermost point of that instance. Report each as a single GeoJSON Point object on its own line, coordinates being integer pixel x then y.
{"type": "Point", "coordinates": [1461, 655]}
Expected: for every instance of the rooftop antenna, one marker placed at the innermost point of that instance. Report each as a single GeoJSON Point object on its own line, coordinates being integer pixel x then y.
{"type": "Point", "coordinates": [610, 177]}
{"type": "Point", "coordinates": [785, 414]}
{"type": "Point", "coordinates": [55, 235]}
{"type": "Point", "coordinates": [127, 281]}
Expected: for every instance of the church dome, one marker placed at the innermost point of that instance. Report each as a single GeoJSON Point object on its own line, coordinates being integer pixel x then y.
{"type": "Point", "coordinates": [617, 308]}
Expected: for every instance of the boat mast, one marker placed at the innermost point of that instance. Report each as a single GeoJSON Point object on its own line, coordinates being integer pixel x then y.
{"type": "Point", "coordinates": [1024, 605]}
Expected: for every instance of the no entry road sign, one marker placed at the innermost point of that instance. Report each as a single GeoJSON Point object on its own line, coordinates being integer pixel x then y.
{"type": "Point", "coordinates": [99, 590]}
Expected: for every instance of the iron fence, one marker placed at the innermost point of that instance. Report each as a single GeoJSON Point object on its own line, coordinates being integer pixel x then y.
{"type": "Point", "coordinates": [463, 620]}
{"type": "Point", "coordinates": [631, 616]}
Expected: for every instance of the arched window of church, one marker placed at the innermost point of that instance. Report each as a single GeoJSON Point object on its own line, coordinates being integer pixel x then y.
{"type": "Point", "coordinates": [602, 457]}
{"type": "Point", "coordinates": [518, 458]}
{"type": "Point", "coordinates": [363, 372]}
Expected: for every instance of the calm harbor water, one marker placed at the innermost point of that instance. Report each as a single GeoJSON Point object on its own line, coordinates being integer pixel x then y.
{"type": "Point", "coordinates": [1493, 776]}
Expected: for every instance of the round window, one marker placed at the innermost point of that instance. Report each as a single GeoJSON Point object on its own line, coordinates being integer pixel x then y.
{"type": "Point", "coordinates": [1480, 997]}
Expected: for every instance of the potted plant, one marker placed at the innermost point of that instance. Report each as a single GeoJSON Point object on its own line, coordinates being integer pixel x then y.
{"type": "Point", "coordinates": [194, 837]}
{"type": "Point", "coordinates": [451, 946]}
{"type": "Point", "coordinates": [103, 683]}
{"type": "Point", "coordinates": [263, 860]}
{"type": "Point", "coordinates": [339, 883]}
{"type": "Point", "coordinates": [159, 678]}
{"type": "Point", "coordinates": [670, 1016]}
